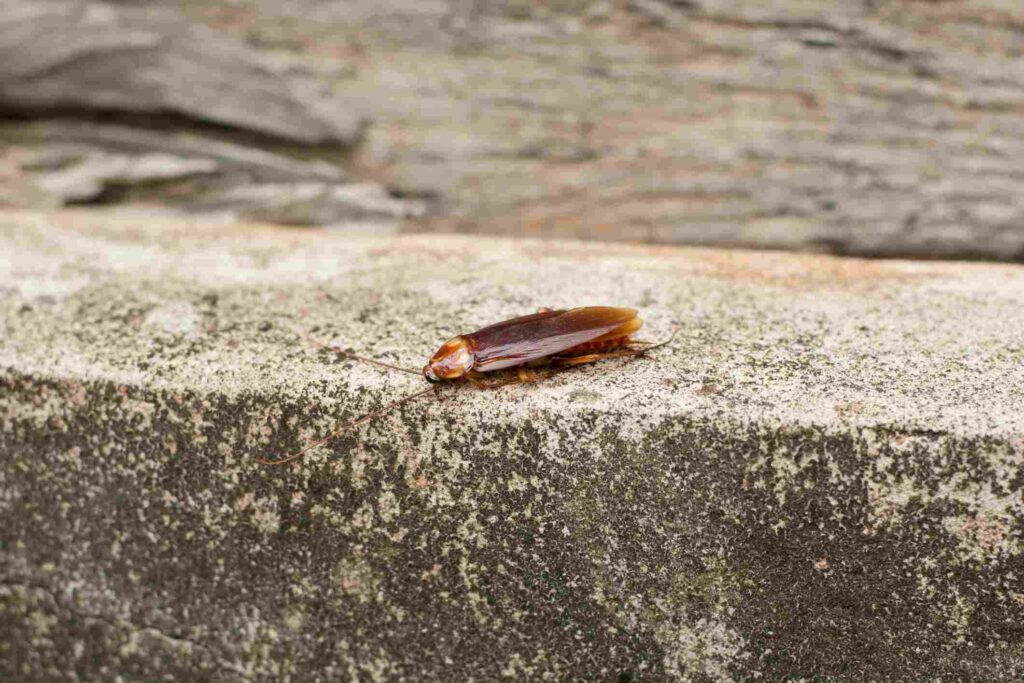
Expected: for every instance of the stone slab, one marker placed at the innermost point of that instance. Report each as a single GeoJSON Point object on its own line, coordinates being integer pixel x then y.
{"type": "Point", "coordinates": [820, 478]}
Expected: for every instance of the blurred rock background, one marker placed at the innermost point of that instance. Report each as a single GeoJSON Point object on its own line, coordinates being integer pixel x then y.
{"type": "Point", "coordinates": [869, 127]}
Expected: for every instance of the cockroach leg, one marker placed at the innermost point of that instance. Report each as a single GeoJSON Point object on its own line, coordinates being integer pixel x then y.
{"type": "Point", "coordinates": [634, 348]}
{"type": "Point", "coordinates": [527, 374]}
{"type": "Point", "coordinates": [524, 375]}
{"type": "Point", "coordinates": [569, 361]}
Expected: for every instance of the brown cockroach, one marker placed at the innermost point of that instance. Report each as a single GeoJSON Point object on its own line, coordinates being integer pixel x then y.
{"type": "Point", "coordinates": [549, 338]}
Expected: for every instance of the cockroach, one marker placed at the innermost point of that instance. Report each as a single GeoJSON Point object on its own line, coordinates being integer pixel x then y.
{"type": "Point", "coordinates": [550, 339]}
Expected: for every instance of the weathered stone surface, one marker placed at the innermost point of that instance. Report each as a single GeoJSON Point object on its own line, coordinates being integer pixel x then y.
{"type": "Point", "coordinates": [134, 105]}
{"type": "Point", "coordinates": [873, 128]}
{"type": "Point", "coordinates": [821, 478]}
{"type": "Point", "coordinates": [108, 57]}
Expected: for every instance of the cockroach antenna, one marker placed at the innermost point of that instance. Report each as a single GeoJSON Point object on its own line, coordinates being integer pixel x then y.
{"type": "Point", "coordinates": [671, 338]}
{"type": "Point", "coordinates": [353, 356]}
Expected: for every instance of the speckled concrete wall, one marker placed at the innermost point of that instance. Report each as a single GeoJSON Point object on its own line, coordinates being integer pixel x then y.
{"type": "Point", "coordinates": [821, 477]}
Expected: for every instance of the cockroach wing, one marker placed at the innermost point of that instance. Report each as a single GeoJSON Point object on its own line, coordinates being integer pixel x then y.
{"type": "Point", "coordinates": [521, 340]}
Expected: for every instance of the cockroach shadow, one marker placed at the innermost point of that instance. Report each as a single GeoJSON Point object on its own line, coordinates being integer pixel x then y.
{"type": "Point", "coordinates": [535, 346]}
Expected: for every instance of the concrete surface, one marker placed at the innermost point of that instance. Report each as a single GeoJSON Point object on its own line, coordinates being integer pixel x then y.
{"type": "Point", "coordinates": [820, 479]}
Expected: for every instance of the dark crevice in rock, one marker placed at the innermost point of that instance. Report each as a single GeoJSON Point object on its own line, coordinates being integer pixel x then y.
{"type": "Point", "coordinates": [169, 122]}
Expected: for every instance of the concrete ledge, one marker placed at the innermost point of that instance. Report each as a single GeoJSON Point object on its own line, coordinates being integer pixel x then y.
{"type": "Point", "coordinates": [822, 479]}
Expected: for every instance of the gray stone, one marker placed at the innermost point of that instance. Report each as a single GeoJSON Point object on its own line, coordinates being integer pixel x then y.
{"type": "Point", "coordinates": [820, 478]}
{"type": "Point", "coordinates": [68, 162]}
{"type": "Point", "coordinates": [106, 57]}
{"type": "Point", "coordinates": [312, 203]}
{"type": "Point", "coordinates": [125, 105]}
{"type": "Point", "coordinates": [53, 135]}
{"type": "Point", "coordinates": [866, 128]}
{"type": "Point", "coordinates": [86, 179]}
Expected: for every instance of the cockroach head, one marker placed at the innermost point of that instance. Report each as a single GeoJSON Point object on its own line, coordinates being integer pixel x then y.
{"type": "Point", "coordinates": [453, 360]}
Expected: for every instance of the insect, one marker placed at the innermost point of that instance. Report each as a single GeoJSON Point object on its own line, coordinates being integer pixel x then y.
{"type": "Point", "coordinates": [532, 345]}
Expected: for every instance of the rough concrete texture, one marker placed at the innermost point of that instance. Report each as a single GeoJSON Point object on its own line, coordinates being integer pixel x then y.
{"type": "Point", "coordinates": [821, 478]}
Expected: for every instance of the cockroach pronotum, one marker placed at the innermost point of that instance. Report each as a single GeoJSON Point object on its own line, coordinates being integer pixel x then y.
{"type": "Point", "coordinates": [548, 339]}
